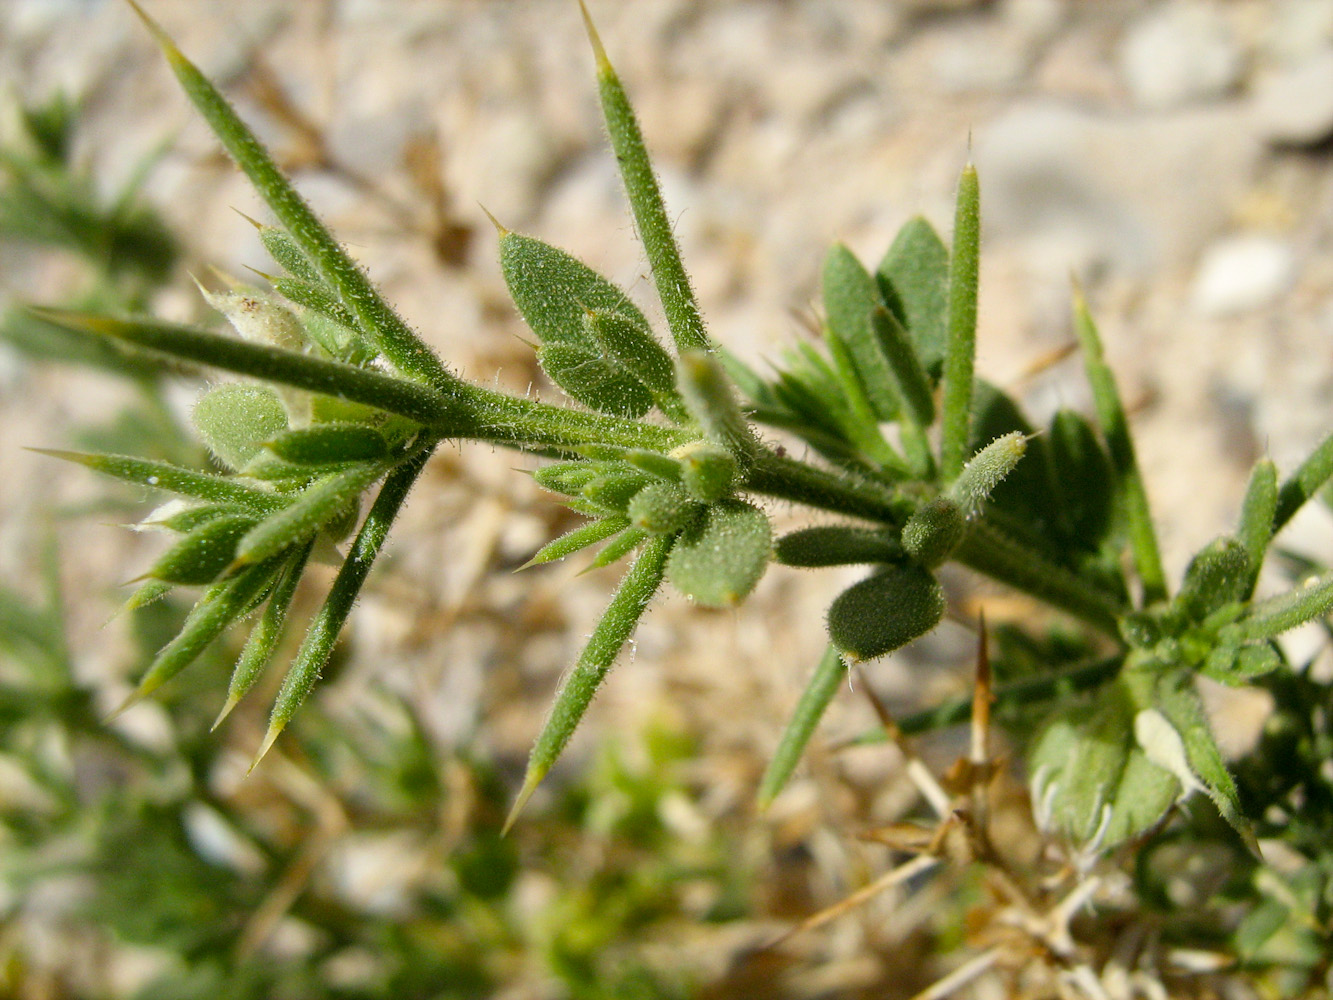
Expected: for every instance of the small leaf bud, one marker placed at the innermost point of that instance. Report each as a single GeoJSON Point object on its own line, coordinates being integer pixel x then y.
{"type": "Point", "coordinates": [934, 531]}
{"type": "Point", "coordinates": [612, 492]}
{"type": "Point", "coordinates": [1218, 575]}
{"type": "Point", "coordinates": [661, 508]}
{"type": "Point", "coordinates": [568, 478]}
{"type": "Point", "coordinates": [708, 395]}
{"type": "Point", "coordinates": [259, 320]}
{"type": "Point", "coordinates": [707, 471]}
{"type": "Point", "coordinates": [986, 470]}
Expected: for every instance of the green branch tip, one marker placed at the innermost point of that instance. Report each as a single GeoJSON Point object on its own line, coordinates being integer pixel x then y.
{"type": "Point", "coordinates": [961, 342]}
{"type": "Point", "coordinates": [1114, 425]}
{"type": "Point", "coordinates": [650, 215]}
{"type": "Point", "coordinates": [814, 701]}
{"type": "Point", "coordinates": [595, 40]}
{"type": "Point", "coordinates": [500, 228]}
{"type": "Point", "coordinates": [232, 702]}
{"type": "Point", "coordinates": [385, 328]}
{"type": "Point", "coordinates": [163, 40]}
{"type": "Point", "coordinates": [530, 782]}
{"type": "Point", "coordinates": [80, 321]}
{"type": "Point", "coordinates": [135, 696]}
{"type": "Point", "coordinates": [270, 737]}
{"type": "Point", "coordinates": [987, 469]}
{"type": "Point", "coordinates": [254, 222]}
{"type": "Point", "coordinates": [599, 654]}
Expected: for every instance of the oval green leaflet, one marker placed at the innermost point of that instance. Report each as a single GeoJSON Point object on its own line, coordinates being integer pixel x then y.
{"type": "Point", "coordinates": [885, 611]}
{"type": "Point", "coordinates": [588, 376]}
{"type": "Point", "coordinates": [719, 558]}
{"type": "Point", "coordinates": [836, 545]}
{"type": "Point", "coordinates": [554, 291]}
{"type": "Point", "coordinates": [235, 420]}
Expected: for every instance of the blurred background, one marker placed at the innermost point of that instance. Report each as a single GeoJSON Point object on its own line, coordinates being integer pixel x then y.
{"type": "Point", "coordinates": [1171, 155]}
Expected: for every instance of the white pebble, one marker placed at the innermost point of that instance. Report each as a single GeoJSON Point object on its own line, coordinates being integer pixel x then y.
{"type": "Point", "coordinates": [1179, 54]}
{"type": "Point", "coordinates": [1294, 106]}
{"type": "Point", "coordinates": [1242, 273]}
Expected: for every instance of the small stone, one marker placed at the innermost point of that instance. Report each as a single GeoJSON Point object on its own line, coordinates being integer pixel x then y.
{"type": "Point", "coordinates": [921, 7]}
{"type": "Point", "coordinates": [1179, 54]}
{"type": "Point", "coordinates": [1298, 29]}
{"type": "Point", "coordinates": [1129, 192]}
{"type": "Point", "coordinates": [1034, 20]}
{"type": "Point", "coordinates": [978, 61]}
{"type": "Point", "coordinates": [1242, 273]}
{"type": "Point", "coordinates": [1294, 106]}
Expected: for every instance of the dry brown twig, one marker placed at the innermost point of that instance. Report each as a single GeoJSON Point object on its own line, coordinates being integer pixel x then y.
{"type": "Point", "coordinates": [1026, 935]}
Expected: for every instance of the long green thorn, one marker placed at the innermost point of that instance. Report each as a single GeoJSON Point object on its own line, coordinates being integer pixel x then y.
{"type": "Point", "coordinates": [961, 348]}
{"type": "Point", "coordinates": [645, 200]}
{"type": "Point", "coordinates": [324, 629]}
{"type": "Point", "coordinates": [622, 614]}
{"type": "Point", "coordinates": [412, 356]}
{"type": "Point", "coordinates": [1120, 444]}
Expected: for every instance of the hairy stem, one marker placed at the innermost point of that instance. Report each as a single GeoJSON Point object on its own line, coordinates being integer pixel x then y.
{"type": "Point", "coordinates": [789, 479]}
{"type": "Point", "coordinates": [988, 550]}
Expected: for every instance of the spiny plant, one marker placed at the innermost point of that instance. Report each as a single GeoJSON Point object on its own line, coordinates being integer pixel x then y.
{"type": "Point", "coordinates": [667, 457]}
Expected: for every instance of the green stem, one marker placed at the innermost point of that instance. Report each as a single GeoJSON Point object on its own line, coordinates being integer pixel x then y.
{"type": "Point", "coordinates": [274, 364]}
{"type": "Point", "coordinates": [466, 411]}
{"type": "Point", "coordinates": [523, 423]}
{"type": "Point", "coordinates": [988, 550]}
{"type": "Point", "coordinates": [985, 548]}
{"type": "Point", "coordinates": [789, 479]}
